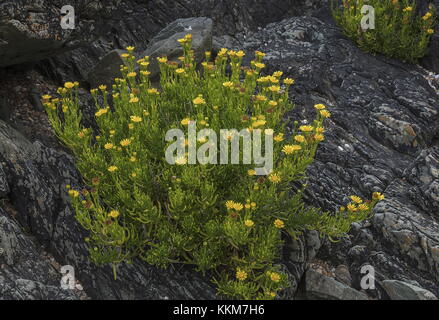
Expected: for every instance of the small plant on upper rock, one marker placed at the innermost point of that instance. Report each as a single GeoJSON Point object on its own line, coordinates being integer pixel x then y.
{"type": "Point", "coordinates": [400, 31]}
{"type": "Point", "coordinates": [223, 219]}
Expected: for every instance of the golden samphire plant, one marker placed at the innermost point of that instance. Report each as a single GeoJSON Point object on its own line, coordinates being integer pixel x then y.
{"type": "Point", "coordinates": [223, 219]}
{"type": "Point", "coordinates": [399, 32]}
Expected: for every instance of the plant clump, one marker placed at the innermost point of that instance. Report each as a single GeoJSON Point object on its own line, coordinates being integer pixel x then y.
{"type": "Point", "coordinates": [400, 31]}
{"type": "Point", "coordinates": [225, 220]}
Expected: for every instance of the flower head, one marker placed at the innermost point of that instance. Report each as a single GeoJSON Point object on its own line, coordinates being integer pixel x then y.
{"type": "Point", "coordinates": [241, 274]}
{"type": "Point", "coordinates": [199, 100]}
{"type": "Point", "coordinates": [114, 214]}
{"type": "Point", "coordinates": [290, 148]}
{"type": "Point", "coordinates": [279, 224]}
{"type": "Point", "coordinates": [249, 223]}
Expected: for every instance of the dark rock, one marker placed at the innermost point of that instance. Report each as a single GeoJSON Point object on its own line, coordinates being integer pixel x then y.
{"type": "Point", "coordinates": [4, 186]}
{"type": "Point", "coordinates": [398, 290]}
{"type": "Point", "coordinates": [24, 273]}
{"type": "Point", "coordinates": [321, 287]}
{"type": "Point", "coordinates": [382, 136]}
{"type": "Point", "coordinates": [31, 31]}
{"type": "Point", "coordinates": [106, 70]}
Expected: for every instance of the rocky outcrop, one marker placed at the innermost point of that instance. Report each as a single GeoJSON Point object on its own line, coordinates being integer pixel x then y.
{"type": "Point", "coordinates": [25, 273]}
{"type": "Point", "coordinates": [398, 290]}
{"type": "Point", "coordinates": [382, 136]}
{"type": "Point", "coordinates": [321, 287]}
{"type": "Point", "coordinates": [31, 30]}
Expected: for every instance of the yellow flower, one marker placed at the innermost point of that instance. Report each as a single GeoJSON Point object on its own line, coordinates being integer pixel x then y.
{"type": "Point", "coordinates": [185, 121]}
{"type": "Point", "coordinates": [199, 100]}
{"type": "Point", "coordinates": [274, 88]}
{"type": "Point", "coordinates": [377, 196]}
{"type": "Point", "coordinates": [251, 172]}
{"type": "Point", "coordinates": [319, 137]}
{"type": "Point", "coordinates": [289, 149]}
{"type": "Point", "coordinates": [125, 142]}
{"type": "Point", "coordinates": [238, 206]}
{"type": "Point", "coordinates": [108, 146]}
{"type": "Point", "coordinates": [134, 175]}
{"type": "Point", "coordinates": [133, 159]}
{"type": "Point", "coordinates": [112, 168]}
{"type": "Point", "coordinates": [101, 112]}
{"type": "Point", "coordinates": [259, 54]}
{"type": "Point", "coordinates": [125, 55]}
{"type": "Point", "coordinates": [240, 54]}
{"type": "Point", "coordinates": [182, 40]}
{"type": "Point", "coordinates": [180, 161]}
{"type": "Point", "coordinates": [351, 207]}
{"type": "Point", "coordinates": [228, 84]}
{"type": "Point", "coordinates": [363, 207]}
{"type": "Point", "coordinates": [253, 204]}
{"type": "Point", "coordinates": [279, 224]}
{"type": "Point", "coordinates": [73, 193]}
{"type": "Point", "coordinates": [249, 223]}
{"type": "Point", "coordinates": [278, 74]}
{"type": "Point", "coordinates": [103, 87]}
{"type": "Point", "coordinates": [114, 214]}
{"type": "Point", "coordinates": [430, 31]}
{"type": "Point", "coordinates": [135, 119]}
{"type": "Point", "coordinates": [279, 137]}
{"type": "Point", "coordinates": [356, 199]}
{"type": "Point", "coordinates": [130, 49]}
{"type": "Point", "coordinates": [153, 91]}
{"type": "Point", "coordinates": [69, 85]}
{"type": "Point", "coordinates": [241, 275]}
{"type": "Point", "coordinates": [306, 128]}
{"type": "Point", "coordinates": [274, 178]}
{"type": "Point", "coordinates": [258, 123]}
{"type": "Point", "coordinates": [272, 103]}
{"type": "Point", "coordinates": [131, 75]}
{"type": "Point", "coordinates": [288, 81]}
{"type": "Point", "coordinates": [319, 106]}
{"type": "Point", "coordinates": [325, 113]}
{"type": "Point", "coordinates": [299, 138]}
{"type": "Point", "coordinates": [275, 277]}
{"type": "Point", "coordinates": [134, 100]}
{"type": "Point", "coordinates": [47, 97]}
{"type": "Point", "coordinates": [259, 65]}
{"type": "Point", "coordinates": [407, 9]}
{"type": "Point", "coordinates": [320, 129]}
{"type": "Point", "coordinates": [162, 59]}
{"type": "Point", "coordinates": [427, 16]}
{"type": "Point", "coordinates": [230, 204]}
{"type": "Point", "coordinates": [179, 70]}
{"type": "Point", "coordinates": [260, 98]}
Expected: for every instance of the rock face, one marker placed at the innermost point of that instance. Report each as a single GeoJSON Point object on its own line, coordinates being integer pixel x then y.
{"type": "Point", "coordinates": [24, 273]}
{"type": "Point", "coordinates": [166, 44]}
{"type": "Point", "coordinates": [321, 287]}
{"type": "Point", "coordinates": [398, 290]}
{"type": "Point", "coordinates": [31, 30]}
{"type": "Point", "coordinates": [383, 136]}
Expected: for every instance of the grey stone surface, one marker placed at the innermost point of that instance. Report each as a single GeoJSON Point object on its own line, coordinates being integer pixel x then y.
{"type": "Point", "coordinates": [321, 287]}
{"type": "Point", "coordinates": [399, 290]}
{"type": "Point", "coordinates": [166, 44]}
